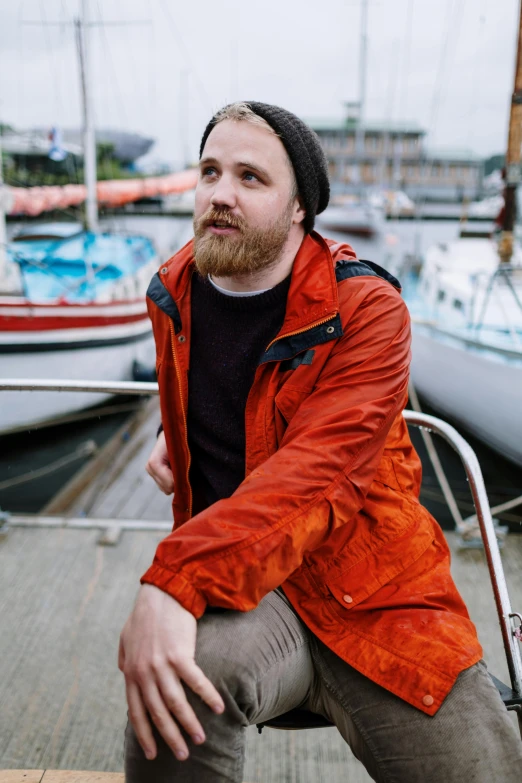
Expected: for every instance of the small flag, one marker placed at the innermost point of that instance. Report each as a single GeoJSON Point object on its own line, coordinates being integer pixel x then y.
{"type": "Point", "coordinates": [56, 152]}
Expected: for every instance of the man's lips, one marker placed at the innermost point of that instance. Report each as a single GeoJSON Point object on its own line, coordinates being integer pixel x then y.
{"type": "Point", "coordinates": [221, 230]}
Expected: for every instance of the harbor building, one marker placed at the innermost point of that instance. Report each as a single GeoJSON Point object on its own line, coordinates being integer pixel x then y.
{"type": "Point", "coordinates": [393, 155]}
{"type": "Point", "coordinates": [29, 159]}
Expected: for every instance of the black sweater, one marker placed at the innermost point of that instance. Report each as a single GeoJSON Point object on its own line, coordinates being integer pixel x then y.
{"type": "Point", "coordinates": [228, 336]}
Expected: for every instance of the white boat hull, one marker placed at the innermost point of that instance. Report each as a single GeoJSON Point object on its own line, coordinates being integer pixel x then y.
{"type": "Point", "coordinates": [361, 220]}
{"type": "Point", "coordinates": [477, 387]}
{"type": "Point", "coordinates": [103, 362]}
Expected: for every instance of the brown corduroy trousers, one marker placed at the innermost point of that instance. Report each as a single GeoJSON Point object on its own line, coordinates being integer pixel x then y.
{"type": "Point", "coordinates": [266, 662]}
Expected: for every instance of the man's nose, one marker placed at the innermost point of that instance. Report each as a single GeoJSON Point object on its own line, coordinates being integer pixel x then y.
{"type": "Point", "coordinates": [224, 193]}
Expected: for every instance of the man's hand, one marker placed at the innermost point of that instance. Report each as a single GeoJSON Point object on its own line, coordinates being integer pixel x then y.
{"type": "Point", "coordinates": [158, 466]}
{"type": "Point", "coordinates": [157, 647]}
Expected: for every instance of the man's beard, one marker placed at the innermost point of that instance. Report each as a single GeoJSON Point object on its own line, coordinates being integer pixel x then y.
{"type": "Point", "coordinates": [245, 252]}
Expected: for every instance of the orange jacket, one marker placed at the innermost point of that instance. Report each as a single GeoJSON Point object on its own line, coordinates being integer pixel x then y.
{"type": "Point", "coordinates": [329, 507]}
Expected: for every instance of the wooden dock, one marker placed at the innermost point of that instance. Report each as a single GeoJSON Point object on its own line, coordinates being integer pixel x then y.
{"type": "Point", "coordinates": [64, 599]}
{"type": "Point", "coordinates": [115, 484]}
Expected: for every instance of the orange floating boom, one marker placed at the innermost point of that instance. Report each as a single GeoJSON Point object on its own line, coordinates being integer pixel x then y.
{"type": "Point", "coordinates": [111, 193]}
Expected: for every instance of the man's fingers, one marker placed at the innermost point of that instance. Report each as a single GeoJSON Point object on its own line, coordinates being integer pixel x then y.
{"type": "Point", "coordinates": [164, 722]}
{"type": "Point", "coordinates": [121, 655]}
{"type": "Point", "coordinates": [140, 722]}
{"type": "Point", "coordinates": [192, 675]}
{"type": "Point", "coordinates": [158, 466]}
{"type": "Point", "coordinates": [162, 475]}
{"type": "Point", "coordinates": [176, 701]}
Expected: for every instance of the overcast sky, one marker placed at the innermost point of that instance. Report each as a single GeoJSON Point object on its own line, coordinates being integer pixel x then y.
{"type": "Point", "coordinates": [446, 64]}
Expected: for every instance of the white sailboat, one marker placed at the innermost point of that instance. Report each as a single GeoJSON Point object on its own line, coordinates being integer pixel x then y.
{"type": "Point", "coordinates": [467, 319]}
{"type": "Point", "coordinates": [467, 340]}
{"type": "Point", "coordinates": [72, 301]}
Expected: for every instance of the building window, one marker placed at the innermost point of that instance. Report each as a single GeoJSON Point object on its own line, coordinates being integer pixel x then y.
{"type": "Point", "coordinates": [349, 143]}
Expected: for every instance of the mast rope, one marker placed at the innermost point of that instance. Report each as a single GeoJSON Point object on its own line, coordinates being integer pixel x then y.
{"type": "Point", "coordinates": [86, 449]}
{"type": "Point", "coordinates": [437, 465]}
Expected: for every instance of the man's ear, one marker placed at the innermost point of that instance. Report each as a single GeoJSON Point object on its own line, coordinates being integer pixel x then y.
{"type": "Point", "coordinates": [299, 211]}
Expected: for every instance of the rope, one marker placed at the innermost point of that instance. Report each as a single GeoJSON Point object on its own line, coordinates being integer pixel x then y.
{"type": "Point", "coordinates": [467, 505]}
{"type": "Point", "coordinates": [498, 510]}
{"type": "Point", "coordinates": [437, 466]}
{"type": "Point", "coordinates": [466, 527]}
{"type": "Point", "coordinates": [84, 450]}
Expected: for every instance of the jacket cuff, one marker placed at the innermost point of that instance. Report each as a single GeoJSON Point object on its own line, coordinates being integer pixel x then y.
{"type": "Point", "coordinates": [177, 587]}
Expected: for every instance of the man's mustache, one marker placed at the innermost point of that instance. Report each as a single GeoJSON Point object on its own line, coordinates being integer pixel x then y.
{"type": "Point", "coordinates": [223, 217]}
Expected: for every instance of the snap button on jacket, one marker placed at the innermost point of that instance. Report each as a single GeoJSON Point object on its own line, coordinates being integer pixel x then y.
{"type": "Point", "coordinates": [329, 505]}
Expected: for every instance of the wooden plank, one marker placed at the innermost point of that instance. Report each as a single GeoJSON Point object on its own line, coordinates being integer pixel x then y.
{"type": "Point", "coordinates": [155, 505]}
{"type": "Point", "coordinates": [81, 482]}
{"type": "Point", "coordinates": [126, 475]}
{"type": "Point", "coordinates": [21, 775]}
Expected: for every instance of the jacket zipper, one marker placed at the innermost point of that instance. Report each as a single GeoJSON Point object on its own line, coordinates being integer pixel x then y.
{"type": "Point", "coordinates": [300, 331]}
{"type": "Point", "coordinates": [180, 387]}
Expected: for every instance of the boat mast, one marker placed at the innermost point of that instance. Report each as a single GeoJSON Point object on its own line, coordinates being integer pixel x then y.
{"type": "Point", "coordinates": [513, 174]}
{"type": "Point", "coordinates": [89, 139]}
{"type": "Point", "coordinates": [3, 232]}
{"type": "Point", "coordinates": [359, 133]}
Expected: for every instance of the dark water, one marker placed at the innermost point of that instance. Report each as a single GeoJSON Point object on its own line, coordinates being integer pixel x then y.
{"type": "Point", "coordinates": [30, 451]}
{"type": "Point", "coordinates": [25, 452]}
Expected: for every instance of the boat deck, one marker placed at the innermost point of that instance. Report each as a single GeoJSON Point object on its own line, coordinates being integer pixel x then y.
{"type": "Point", "coordinates": [64, 599]}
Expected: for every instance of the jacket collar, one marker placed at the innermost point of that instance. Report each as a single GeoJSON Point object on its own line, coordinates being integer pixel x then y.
{"type": "Point", "coordinates": [312, 297]}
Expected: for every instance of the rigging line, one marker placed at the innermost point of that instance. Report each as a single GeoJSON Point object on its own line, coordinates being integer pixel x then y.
{"type": "Point", "coordinates": [109, 59]}
{"type": "Point", "coordinates": [86, 449]}
{"type": "Point", "coordinates": [436, 463]}
{"type": "Point", "coordinates": [475, 74]}
{"type": "Point", "coordinates": [459, 13]}
{"type": "Point", "coordinates": [440, 69]}
{"type": "Point", "coordinates": [207, 103]}
{"type": "Point", "coordinates": [393, 77]}
{"type": "Point", "coordinates": [130, 50]}
{"type": "Point", "coordinates": [406, 59]}
{"type": "Point", "coordinates": [453, 20]}
{"type": "Point", "coordinates": [21, 71]}
{"type": "Point", "coordinates": [152, 69]}
{"type": "Point", "coordinates": [56, 93]}
{"type": "Point", "coordinates": [437, 89]}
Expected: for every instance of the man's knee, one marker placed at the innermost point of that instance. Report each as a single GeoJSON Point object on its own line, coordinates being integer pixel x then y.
{"type": "Point", "coordinates": [226, 653]}
{"type": "Point", "coordinates": [259, 660]}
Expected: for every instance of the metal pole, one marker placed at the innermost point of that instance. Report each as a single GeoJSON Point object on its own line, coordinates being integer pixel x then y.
{"type": "Point", "coordinates": [89, 139]}
{"type": "Point", "coordinates": [3, 233]}
{"type": "Point", "coordinates": [513, 156]}
{"type": "Point", "coordinates": [359, 133]}
{"type": "Point", "coordinates": [103, 387]}
{"type": "Point", "coordinates": [184, 115]}
{"type": "Point", "coordinates": [471, 465]}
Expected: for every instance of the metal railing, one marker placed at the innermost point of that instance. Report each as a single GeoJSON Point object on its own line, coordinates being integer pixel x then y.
{"type": "Point", "coordinates": [507, 617]}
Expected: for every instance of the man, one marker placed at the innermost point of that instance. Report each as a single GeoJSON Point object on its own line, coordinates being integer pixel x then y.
{"type": "Point", "coordinates": [302, 570]}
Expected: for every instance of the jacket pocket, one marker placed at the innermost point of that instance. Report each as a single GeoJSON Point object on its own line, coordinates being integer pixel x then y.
{"type": "Point", "coordinates": [386, 473]}
{"type": "Point", "coordinates": [361, 580]}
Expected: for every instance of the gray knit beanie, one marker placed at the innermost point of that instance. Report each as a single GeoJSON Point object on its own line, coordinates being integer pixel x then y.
{"type": "Point", "coordinates": [305, 152]}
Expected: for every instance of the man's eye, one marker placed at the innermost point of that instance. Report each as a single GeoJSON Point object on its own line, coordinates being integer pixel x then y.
{"type": "Point", "coordinates": [250, 177]}
{"type": "Point", "coordinates": [208, 171]}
